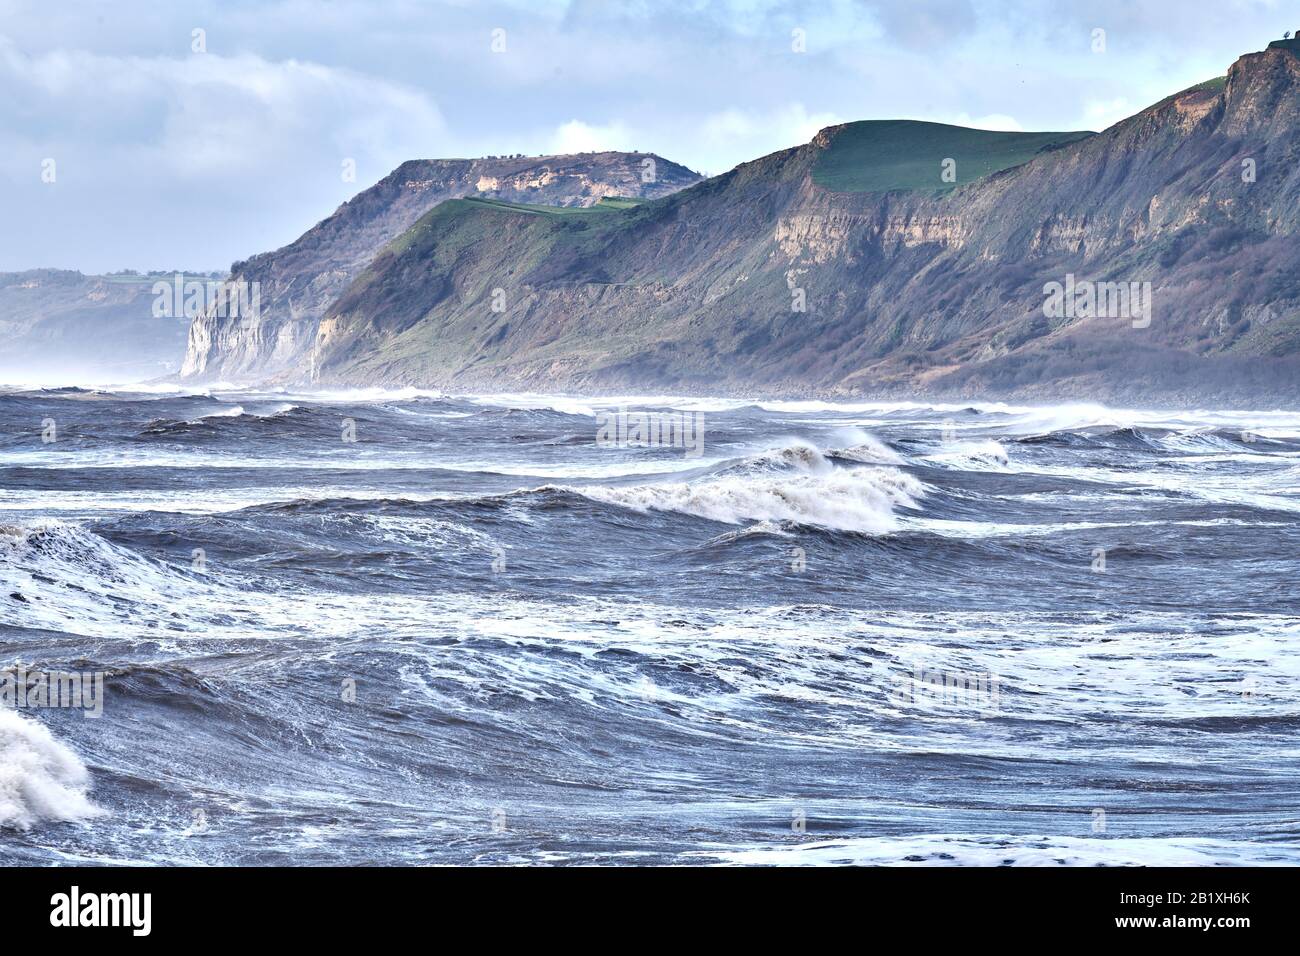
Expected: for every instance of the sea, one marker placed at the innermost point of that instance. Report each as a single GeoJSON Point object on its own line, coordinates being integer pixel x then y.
{"type": "Point", "coordinates": [405, 627]}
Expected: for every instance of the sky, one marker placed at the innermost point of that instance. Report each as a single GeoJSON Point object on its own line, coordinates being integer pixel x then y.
{"type": "Point", "coordinates": [186, 135]}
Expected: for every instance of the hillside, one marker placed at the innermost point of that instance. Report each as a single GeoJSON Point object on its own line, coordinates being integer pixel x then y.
{"type": "Point", "coordinates": [61, 326]}
{"type": "Point", "coordinates": [888, 155]}
{"type": "Point", "coordinates": [299, 282]}
{"type": "Point", "coordinates": [907, 287]}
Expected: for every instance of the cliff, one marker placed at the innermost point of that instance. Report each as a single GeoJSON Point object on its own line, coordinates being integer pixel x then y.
{"type": "Point", "coordinates": [882, 258]}
{"type": "Point", "coordinates": [299, 282]}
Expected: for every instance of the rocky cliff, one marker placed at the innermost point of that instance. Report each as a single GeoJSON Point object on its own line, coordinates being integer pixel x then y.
{"type": "Point", "coordinates": [858, 266]}
{"type": "Point", "coordinates": [299, 282]}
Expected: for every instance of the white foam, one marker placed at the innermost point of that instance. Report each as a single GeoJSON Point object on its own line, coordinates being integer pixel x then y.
{"type": "Point", "coordinates": [809, 491]}
{"type": "Point", "coordinates": [855, 444]}
{"type": "Point", "coordinates": [327, 396]}
{"type": "Point", "coordinates": [970, 456]}
{"type": "Point", "coordinates": [950, 528]}
{"type": "Point", "coordinates": [154, 388]}
{"type": "Point", "coordinates": [1012, 850]}
{"type": "Point", "coordinates": [232, 411]}
{"type": "Point", "coordinates": [348, 395]}
{"type": "Point", "coordinates": [555, 403]}
{"type": "Point", "coordinates": [41, 779]}
{"type": "Point", "coordinates": [592, 468]}
{"type": "Point", "coordinates": [186, 501]}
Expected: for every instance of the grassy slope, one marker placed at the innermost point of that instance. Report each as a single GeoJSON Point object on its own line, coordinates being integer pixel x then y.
{"type": "Point", "coordinates": [425, 282]}
{"type": "Point", "coordinates": [618, 202]}
{"type": "Point", "coordinates": [888, 155]}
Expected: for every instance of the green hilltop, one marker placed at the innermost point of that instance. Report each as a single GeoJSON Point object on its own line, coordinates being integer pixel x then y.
{"type": "Point", "coordinates": [875, 156]}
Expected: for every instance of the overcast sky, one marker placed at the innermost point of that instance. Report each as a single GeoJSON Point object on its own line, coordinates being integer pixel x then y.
{"type": "Point", "coordinates": [167, 158]}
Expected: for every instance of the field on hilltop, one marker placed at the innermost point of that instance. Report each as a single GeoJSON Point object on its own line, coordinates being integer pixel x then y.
{"type": "Point", "coordinates": [889, 155]}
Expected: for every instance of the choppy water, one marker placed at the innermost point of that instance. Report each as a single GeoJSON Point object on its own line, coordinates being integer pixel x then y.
{"type": "Point", "coordinates": [570, 653]}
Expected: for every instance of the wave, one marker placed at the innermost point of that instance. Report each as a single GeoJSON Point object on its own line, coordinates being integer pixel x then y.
{"type": "Point", "coordinates": [1203, 439]}
{"type": "Point", "coordinates": [799, 455]}
{"type": "Point", "coordinates": [349, 396]}
{"type": "Point", "coordinates": [70, 579]}
{"type": "Point", "coordinates": [970, 456]}
{"type": "Point", "coordinates": [1219, 440]}
{"type": "Point", "coordinates": [214, 421]}
{"type": "Point", "coordinates": [1060, 440]}
{"type": "Point", "coordinates": [524, 403]}
{"type": "Point", "coordinates": [1009, 850]}
{"type": "Point", "coordinates": [867, 453]}
{"type": "Point", "coordinates": [796, 484]}
{"type": "Point", "coordinates": [41, 779]}
{"type": "Point", "coordinates": [234, 411]}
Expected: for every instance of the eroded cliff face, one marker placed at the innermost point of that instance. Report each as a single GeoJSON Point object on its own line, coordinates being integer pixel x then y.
{"type": "Point", "coordinates": [1197, 196]}
{"type": "Point", "coordinates": [762, 280]}
{"type": "Point", "coordinates": [299, 282]}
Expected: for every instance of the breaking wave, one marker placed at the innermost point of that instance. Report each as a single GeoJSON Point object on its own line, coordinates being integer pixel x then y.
{"type": "Point", "coordinates": [41, 779]}
{"type": "Point", "coordinates": [971, 455]}
{"type": "Point", "coordinates": [796, 484]}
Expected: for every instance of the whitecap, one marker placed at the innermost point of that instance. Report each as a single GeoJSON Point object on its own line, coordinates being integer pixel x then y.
{"type": "Point", "coordinates": [970, 456]}
{"type": "Point", "coordinates": [1009, 849]}
{"type": "Point", "coordinates": [816, 493]}
{"type": "Point", "coordinates": [41, 779]}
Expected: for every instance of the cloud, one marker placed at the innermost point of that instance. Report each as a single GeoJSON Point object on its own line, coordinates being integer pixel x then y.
{"type": "Point", "coordinates": [924, 24]}
{"type": "Point", "coordinates": [576, 136]}
{"type": "Point", "coordinates": [213, 137]}
{"type": "Point", "coordinates": [219, 114]}
{"type": "Point", "coordinates": [753, 133]}
{"type": "Point", "coordinates": [995, 121]}
{"type": "Point", "coordinates": [1099, 114]}
{"type": "Point", "coordinates": [168, 159]}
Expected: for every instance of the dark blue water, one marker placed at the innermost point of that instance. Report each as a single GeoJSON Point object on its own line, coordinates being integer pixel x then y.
{"type": "Point", "coordinates": [871, 633]}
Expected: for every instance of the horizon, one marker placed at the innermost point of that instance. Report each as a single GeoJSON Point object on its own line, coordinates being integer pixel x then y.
{"type": "Point", "coordinates": [126, 106]}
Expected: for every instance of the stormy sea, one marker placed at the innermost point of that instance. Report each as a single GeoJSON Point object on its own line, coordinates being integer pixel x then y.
{"type": "Point", "coordinates": [400, 627]}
